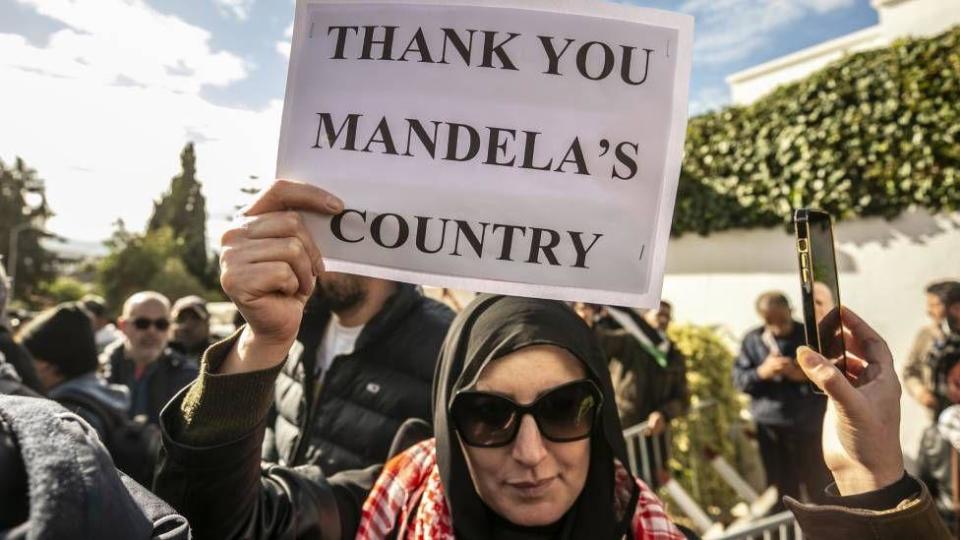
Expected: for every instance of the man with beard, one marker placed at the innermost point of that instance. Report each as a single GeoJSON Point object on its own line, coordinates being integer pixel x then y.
{"type": "Point", "coordinates": [142, 361]}
{"type": "Point", "coordinates": [364, 358]}
{"type": "Point", "coordinates": [363, 363]}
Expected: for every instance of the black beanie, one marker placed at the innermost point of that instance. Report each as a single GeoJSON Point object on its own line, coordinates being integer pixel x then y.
{"type": "Point", "coordinates": [63, 337]}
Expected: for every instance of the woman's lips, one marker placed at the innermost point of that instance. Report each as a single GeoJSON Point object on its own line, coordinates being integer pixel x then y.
{"type": "Point", "coordinates": [532, 490]}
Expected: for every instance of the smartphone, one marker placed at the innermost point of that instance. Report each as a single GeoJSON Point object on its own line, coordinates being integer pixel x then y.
{"type": "Point", "coordinates": [820, 286]}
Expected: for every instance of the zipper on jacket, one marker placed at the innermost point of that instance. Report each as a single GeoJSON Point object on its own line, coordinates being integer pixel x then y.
{"type": "Point", "coordinates": [307, 428]}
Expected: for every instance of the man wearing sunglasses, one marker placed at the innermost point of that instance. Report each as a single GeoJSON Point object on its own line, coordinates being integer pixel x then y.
{"type": "Point", "coordinates": [142, 361]}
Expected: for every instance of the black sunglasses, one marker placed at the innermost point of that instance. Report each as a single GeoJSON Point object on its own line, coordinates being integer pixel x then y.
{"type": "Point", "coordinates": [563, 414]}
{"type": "Point", "coordinates": [143, 323]}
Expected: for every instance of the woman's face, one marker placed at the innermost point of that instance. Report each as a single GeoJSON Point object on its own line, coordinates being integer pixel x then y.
{"type": "Point", "coordinates": [531, 481]}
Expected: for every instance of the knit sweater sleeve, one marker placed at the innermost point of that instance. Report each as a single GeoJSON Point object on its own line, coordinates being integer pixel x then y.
{"type": "Point", "coordinates": [219, 408]}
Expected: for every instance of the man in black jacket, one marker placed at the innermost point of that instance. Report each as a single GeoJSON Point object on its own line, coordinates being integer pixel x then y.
{"type": "Point", "coordinates": [363, 363]}
{"type": "Point", "coordinates": [142, 361]}
{"type": "Point", "coordinates": [788, 414]}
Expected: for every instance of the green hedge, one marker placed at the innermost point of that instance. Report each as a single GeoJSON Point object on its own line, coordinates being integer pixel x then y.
{"type": "Point", "coordinates": [708, 429]}
{"type": "Point", "coordinates": [873, 134]}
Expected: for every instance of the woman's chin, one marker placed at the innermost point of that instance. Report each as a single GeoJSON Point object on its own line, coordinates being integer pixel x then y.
{"type": "Point", "coordinates": [532, 514]}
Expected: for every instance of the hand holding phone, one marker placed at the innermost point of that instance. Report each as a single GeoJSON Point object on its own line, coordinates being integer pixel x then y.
{"type": "Point", "coordinates": [820, 286]}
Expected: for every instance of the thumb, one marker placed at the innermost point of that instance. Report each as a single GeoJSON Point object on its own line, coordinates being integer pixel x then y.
{"type": "Point", "coordinates": [826, 376]}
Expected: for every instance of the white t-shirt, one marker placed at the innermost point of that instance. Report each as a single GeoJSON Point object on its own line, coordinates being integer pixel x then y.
{"type": "Point", "coordinates": [337, 340]}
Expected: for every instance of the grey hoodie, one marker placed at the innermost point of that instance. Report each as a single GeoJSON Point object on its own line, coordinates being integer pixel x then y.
{"type": "Point", "coordinates": [73, 489]}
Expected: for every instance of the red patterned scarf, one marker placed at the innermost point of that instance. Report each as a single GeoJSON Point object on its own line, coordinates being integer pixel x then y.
{"type": "Point", "coordinates": [409, 495]}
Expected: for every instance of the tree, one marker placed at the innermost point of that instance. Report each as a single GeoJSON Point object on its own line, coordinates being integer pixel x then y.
{"type": "Point", "coordinates": [183, 210]}
{"type": "Point", "coordinates": [23, 216]}
{"type": "Point", "coordinates": [64, 289]}
{"type": "Point", "coordinates": [139, 262]}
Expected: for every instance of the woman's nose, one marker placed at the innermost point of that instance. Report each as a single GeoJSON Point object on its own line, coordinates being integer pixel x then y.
{"type": "Point", "coordinates": [528, 447]}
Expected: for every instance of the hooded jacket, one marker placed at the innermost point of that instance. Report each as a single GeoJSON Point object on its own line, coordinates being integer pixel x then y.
{"type": "Point", "coordinates": [75, 393]}
{"type": "Point", "coordinates": [59, 481]}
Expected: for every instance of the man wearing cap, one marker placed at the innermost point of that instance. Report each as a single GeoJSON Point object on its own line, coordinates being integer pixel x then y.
{"type": "Point", "coordinates": [191, 327]}
{"type": "Point", "coordinates": [142, 361]}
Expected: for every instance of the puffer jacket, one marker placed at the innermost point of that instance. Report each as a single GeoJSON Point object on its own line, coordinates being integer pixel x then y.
{"type": "Point", "coordinates": [349, 420]}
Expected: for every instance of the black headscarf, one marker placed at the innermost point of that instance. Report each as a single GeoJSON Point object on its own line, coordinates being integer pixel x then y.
{"type": "Point", "coordinates": [492, 327]}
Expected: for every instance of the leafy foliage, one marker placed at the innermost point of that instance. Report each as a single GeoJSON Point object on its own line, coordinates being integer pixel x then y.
{"type": "Point", "coordinates": [873, 134]}
{"type": "Point", "coordinates": [183, 210]}
{"type": "Point", "coordinates": [64, 289]}
{"type": "Point", "coordinates": [706, 431]}
{"type": "Point", "coordinates": [23, 215]}
{"type": "Point", "coordinates": [139, 262]}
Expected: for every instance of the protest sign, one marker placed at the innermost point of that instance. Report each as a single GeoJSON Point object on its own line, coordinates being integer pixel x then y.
{"type": "Point", "coordinates": [529, 148]}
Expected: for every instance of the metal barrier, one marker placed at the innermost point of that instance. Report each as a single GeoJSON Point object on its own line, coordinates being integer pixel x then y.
{"type": "Point", "coordinates": [647, 457]}
{"type": "Point", "coordinates": [647, 463]}
{"type": "Point", "coordinates": [782, 526]}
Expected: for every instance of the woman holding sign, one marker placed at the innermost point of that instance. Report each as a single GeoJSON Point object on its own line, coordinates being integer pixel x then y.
{"type": "Point", "coordinates": [527, 441]}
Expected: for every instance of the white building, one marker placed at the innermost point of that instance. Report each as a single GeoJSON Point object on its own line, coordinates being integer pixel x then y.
{"type": "Point", "coordinates": [898, 19]}
{"type": "Point", "coordinates": [885, 266]}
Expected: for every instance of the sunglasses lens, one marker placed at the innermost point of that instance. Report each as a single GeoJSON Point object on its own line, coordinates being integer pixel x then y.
{"type": "Point", "coordinates": [143, 323]}
{"type": "Point", "coordinates": [485, 420]}
{"type": "Point", "coordinates": [567, 413]}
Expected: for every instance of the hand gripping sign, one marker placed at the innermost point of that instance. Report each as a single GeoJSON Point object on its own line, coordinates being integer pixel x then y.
{"type": "Point", "coordinates": [529, 148]}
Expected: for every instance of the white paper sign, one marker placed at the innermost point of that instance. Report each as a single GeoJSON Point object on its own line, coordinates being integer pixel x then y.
{"type": "Point", "coordinates": [530, 149]}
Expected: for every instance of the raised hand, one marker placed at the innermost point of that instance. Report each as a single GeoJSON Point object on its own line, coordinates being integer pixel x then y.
{"type": "Point", "coordinates": [268, 267]}
{"type": "Point", "coordinates": [861, 442]}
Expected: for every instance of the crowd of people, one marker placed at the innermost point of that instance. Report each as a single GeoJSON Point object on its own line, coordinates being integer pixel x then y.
{"type": "Point", "coordinates": [356, 407]}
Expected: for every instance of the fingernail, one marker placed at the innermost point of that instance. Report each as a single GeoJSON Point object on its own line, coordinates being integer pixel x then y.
{"type": "Point", "coordinates": [334, 204]}
{"type": "Point", "coordinates": [806, 357]}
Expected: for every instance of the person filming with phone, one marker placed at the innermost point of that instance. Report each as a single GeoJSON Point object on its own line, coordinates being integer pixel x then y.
{"type": "Point", "coordinates": [787, 412]}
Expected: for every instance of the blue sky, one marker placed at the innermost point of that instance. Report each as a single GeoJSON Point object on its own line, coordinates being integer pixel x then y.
{"type": "Point", "coordinates": [99, 95]}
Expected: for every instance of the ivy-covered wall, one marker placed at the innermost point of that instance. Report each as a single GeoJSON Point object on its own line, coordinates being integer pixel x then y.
{"type": "Point", "coordinates": [873, 134]}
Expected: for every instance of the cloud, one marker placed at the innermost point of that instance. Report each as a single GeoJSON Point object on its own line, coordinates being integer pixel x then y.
{"type": "Point", "coordinates": [731, 30]}
{"type": "Point", "coordinates": [283, 46]}
{"type": "Point", "coordinates": [240, 9]}
{"type": "Point", "coordinates": [110, 39]}
{"type": "Point", "coordinates": [103, 109]}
